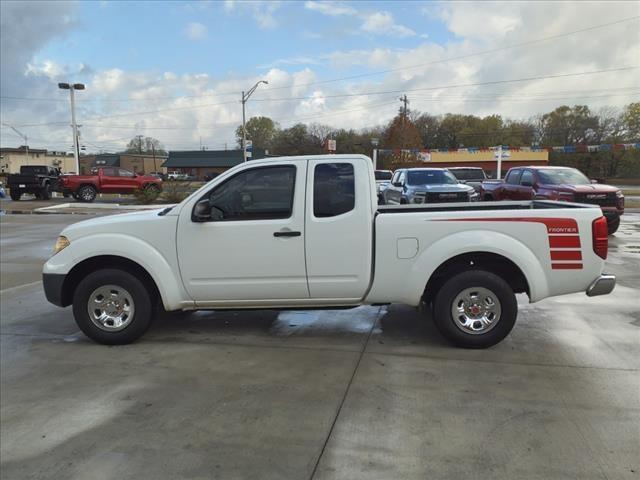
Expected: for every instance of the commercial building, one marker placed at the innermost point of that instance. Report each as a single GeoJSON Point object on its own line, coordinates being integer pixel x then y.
{"type": "Point", "coordinates": [137, 163]}
{"type": "Point", "coordinates": [203, 163]}
{"type": "Point", "coordinates": [11, 159]}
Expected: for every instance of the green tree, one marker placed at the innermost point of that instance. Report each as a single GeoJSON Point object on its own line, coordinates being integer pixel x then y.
{"type": "Point", "coordinates": [260, 130]}
{"type": "Point", "coordinates": [568, 126]}
{"type": "Point", "coordinates": [631, 122]}
{"type": "Point", "coordinates": [141, 144]}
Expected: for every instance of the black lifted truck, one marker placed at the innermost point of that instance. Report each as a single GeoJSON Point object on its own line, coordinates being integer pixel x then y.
{"type": "Point", "coordinates": [39, 180]}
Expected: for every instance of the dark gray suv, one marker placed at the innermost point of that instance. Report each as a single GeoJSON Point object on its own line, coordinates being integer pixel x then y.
{"type": "Point", "coordinates": [426, 185]}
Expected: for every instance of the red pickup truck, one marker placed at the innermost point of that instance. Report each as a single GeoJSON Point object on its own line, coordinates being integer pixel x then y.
{"type": "Point", "coordinates": [556, 183]}
{"type": "Point", "coordinates": [85, 188]}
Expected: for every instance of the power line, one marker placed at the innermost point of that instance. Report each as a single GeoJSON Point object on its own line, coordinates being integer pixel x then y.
{"type": "Point", "coordinates": [352, 77]}
{"type": "Point", "coordinates": [346, 95]}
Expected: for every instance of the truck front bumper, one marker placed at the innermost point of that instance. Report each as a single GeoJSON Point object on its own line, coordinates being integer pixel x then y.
{"type": "Point", "coordinates": [53, 287]}
{"type": "Point", "coordinates": [603, 285]}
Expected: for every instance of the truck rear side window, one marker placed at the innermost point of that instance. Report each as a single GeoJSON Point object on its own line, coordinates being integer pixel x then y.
{"type": "Point", "coordinates": [256, 194]}
{"type": "Point", "coordinates": [333, 189]}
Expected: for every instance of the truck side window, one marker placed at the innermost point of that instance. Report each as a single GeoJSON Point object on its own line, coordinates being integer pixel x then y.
{"type": "Point", "coordinates": [110, 172]}
{"type": "Point", "coordinates": [527, 177]}
{"type": "Point", "coordinates": [333, 189]}
{"type": "Point", "coordinates": [263, 193]}
{"type": "Point", "coordinates": [513, 177]}
{"type": "Point", "coordinates": [124, 173]}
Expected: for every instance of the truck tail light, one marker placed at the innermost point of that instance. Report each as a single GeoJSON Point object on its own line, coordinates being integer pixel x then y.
{"type": "Point", "coordinates": [600, 237]}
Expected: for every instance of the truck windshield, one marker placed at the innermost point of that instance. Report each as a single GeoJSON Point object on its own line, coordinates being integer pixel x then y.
{"type": "Point", "coordinates": [383, 175]}
{"type": "Point", "coordinates": [428, 177]}
{"type": "Point", "coordinates": [567, 176]}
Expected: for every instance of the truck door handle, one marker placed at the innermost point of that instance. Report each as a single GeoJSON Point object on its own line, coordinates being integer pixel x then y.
{"type": "Point", "coordinates": [287, 234]}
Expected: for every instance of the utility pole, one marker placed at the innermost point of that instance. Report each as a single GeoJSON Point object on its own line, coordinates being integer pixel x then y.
{"type": "Point", "coordinates": [244, 130]}
{"type": "Point", "coordinates": [405, 101]}
{"type": "Point", "coordinates": [72, 87]}
{"type": "Point", "coordinates": [139, 137]}
{"type": "Point", "coordinates": [499, 155]}
{"type": "Point", "coordinates": [24, 137]}
{"type": "Point", "coordinates": [153, 149]}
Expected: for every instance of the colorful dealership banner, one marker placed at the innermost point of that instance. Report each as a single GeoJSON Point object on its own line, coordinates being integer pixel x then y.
{"type": "Point", "coordinates": [606, 147]}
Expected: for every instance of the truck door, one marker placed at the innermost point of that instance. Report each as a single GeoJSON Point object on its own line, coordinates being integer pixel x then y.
{"type": "Point", "coordinates": [338, 228]}
{"type": "Point", "coordinates": [525, 190]}
{"type": "Point", "coordinates": [511, 183]}
{"type": "Point", "coordinates": [254, 250]}
{"type": "Point", "coordinates": [126, 181]}
{"type": "Point", "coordinates": [108, 178]}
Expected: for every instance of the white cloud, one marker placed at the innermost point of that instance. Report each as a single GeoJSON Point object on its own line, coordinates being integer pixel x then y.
{"type": "Point", "coordinates": [330, 8]}
{"type": "Point", "coordinates": [196, 31]}
{"type": "Point", "coordinates": [262, 11]}
{"type": "Point", "coordinates": [383, 23]}
{"type": "Point", "coordinates": [47, 68]}
{"type": "Point", "coordinates": [178, 108]}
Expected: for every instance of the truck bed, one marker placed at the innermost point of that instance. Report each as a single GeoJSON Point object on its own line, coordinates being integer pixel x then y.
{"type": "Point", "coordinates": [479, 206]}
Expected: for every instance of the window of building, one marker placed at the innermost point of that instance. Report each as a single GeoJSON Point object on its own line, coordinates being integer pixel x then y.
{"type": "Point", "coordinates": [257, 194]}
{"type": "Point", "coordinates": [333, 189]}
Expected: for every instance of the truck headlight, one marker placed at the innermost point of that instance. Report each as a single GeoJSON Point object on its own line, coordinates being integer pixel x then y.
{"type": "Point", "coordinates": [61, 243]}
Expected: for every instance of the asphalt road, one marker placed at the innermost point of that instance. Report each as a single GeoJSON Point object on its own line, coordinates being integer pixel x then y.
{"type": "Point", "coordinates": [365, 393]}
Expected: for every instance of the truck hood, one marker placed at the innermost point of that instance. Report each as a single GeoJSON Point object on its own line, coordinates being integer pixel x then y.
{"type": "Point", "coordinates": [125, 223]}
{"type": "Point", "coordinates": [442, 188]}
{"type": "Point", "coordinates": [591, 188]}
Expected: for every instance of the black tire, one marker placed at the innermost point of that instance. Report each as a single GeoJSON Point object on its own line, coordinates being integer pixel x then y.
{"type": "Point", "coordinates": [152, 189]}
{"type": "Point", "coordinates": [497, 287]}
{"type": "Point", "coordinates": [45, 193]}
{"type": "Point", "coordinates": [75, 196]}
{"type": "Point", "coordinates": [381, 199]}
{"type": "Point", "coordinates": [403, 201]}
{"type": "Point", "coordinates": [142, 302]}
{"type": "Point", "coordinates": [488, 198]}
{"type": "Point", "coordinates": [86, 194]}
{"type": "Point", "coordinates": [613, 225]}
{"type": "Point", "coordinates": [15, 194]}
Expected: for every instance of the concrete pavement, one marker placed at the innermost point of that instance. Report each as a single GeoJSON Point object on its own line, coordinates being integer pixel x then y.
{"type": "Point", "coordinates": [365, 393]}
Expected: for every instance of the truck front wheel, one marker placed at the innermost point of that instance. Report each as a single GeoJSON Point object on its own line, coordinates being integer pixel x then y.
{"type": "Point", "coordinates": [45, 193]}
{"type": "Point", "coordinates": [613, 226]}
{"type": "Point", "coordinates": [112, 307]}
{"type": "Point", "coordinates": [475, 309]}
{"type": "Point", "coordinates": [87, 193]}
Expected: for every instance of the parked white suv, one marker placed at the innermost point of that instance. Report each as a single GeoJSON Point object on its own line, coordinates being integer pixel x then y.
{"type": "Point", "coordinates": [304, 232]}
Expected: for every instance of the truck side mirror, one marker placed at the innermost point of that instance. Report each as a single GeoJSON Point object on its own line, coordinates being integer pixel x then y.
{"type": "Point", "coordinates": [202, 211]}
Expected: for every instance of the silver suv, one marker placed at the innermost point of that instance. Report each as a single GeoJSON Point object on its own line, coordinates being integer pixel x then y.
{"type": "Point", "coordinates": [426, 185]}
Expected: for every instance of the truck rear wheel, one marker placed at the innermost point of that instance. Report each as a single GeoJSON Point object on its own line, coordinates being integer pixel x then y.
{"type": "Point", "coordinates": [475, 309]}
{"type": "Point", "coordinates": [15, 194]}
{"type": "Point", "coordinates": [112, 307]}
{"type": "Point", "coordinates": [613, 226]}
{"type": "Point", "coordinates": [87, 193]}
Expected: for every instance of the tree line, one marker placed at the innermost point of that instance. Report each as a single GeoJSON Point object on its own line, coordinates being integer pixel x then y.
{"type": "Point", "coordinates": [565, 125]}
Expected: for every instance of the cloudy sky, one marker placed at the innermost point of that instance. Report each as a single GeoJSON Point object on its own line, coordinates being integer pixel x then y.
{"type": "Point", "coordinates": [174, 70]}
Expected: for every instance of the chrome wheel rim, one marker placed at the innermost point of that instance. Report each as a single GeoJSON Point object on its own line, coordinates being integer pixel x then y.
{"type": "Point", "coordinates": [87, 194]}
{"type": "Point", "coordinates": [111, 308]}
{"type": "Point", "coordinates": [476, 310]}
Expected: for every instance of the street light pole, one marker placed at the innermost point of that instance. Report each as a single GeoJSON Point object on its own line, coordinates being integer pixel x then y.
{"type": "Point", "coordinates": [244, 130]}
{"type": "Point", "coordinates": [72, 87]}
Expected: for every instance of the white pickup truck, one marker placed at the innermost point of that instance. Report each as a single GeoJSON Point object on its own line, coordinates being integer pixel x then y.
{"type": "Point", "coordinates": [306, 232]}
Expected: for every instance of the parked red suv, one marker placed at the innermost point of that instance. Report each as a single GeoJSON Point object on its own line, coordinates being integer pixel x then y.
{"type": "Point", "coordinates": [85, 188]}
{"type": "Point", "coordinates": [556, 183]}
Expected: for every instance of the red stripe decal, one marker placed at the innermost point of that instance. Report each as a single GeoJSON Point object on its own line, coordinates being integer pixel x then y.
{"type": "Point", "coordinates": [572, 241]}
{"type": "Point", "coordinates": [566, 266]}
{"type": "Point", "coordinates": [554, 225]}
{"type": "Point", "coordinates": [566, 255]}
